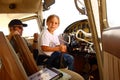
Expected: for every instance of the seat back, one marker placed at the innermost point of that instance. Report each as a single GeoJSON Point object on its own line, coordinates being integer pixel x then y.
{"type": "Point", "coordinates": [10, 66]}
{"type": "Point", "coordinates": [25, 55]}
{"type": "Point", "coordinates": [111, 53]}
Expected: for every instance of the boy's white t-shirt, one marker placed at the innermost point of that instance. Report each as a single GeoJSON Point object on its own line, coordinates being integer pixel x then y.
{"type": "Point", "coordinates": [48, 39]}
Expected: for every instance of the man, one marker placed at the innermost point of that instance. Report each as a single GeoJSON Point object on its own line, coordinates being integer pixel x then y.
{"type": "Point", "coordinates": [16, 28]}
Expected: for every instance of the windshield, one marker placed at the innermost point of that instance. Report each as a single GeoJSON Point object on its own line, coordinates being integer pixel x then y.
{"type": "Point", "coordinates": [67, 13]}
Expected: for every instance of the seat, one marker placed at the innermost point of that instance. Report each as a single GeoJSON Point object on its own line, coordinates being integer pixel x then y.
{"type": "Point", "coordinates": [42, 60]}
{"type": "Point", "coordinates": [59, 63]}
{"type": "Point", "coordinates": [111, 53]}
{"type": "Point", "coordinates": [30, 63]}
{"type": "Point", "coordinates": [10, 65]}
{"type": "Point", "coordinates": [25, 55]}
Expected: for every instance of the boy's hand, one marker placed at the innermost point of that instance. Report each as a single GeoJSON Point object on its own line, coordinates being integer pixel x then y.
{"type": "Point", "coordinates": [63, 48]}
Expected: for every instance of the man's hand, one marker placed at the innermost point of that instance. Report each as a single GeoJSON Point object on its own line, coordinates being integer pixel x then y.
{"type": "Point", "coordinates": [35, 36]}
{"type": "Point", "coordinates": [12, 33]}
{"type": "Point", "coordinates": [16, 33]}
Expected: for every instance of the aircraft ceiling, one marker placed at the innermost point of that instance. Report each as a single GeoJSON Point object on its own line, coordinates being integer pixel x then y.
{"type": "Point", "coordinates": [11, 9]}
{"type": "Point", "coordinates": [18, 6]}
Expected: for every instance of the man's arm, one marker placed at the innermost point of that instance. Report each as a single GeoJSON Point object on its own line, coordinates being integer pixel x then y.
{"type": "Point", "coordinates": [35, 41]}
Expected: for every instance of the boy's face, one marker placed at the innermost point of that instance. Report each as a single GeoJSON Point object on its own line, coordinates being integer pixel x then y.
{"type": "Point", "coordinates": [53, 24]}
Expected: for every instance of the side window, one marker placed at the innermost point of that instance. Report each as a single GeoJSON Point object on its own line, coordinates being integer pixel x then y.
{"type": "Point", "coordinates": [113, 14]}
{"type": "Point", "coordinates": [31, 28]}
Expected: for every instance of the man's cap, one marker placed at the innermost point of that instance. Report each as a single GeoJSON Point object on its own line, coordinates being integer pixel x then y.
{"type": "Point", "coordinates": [16, 22]}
